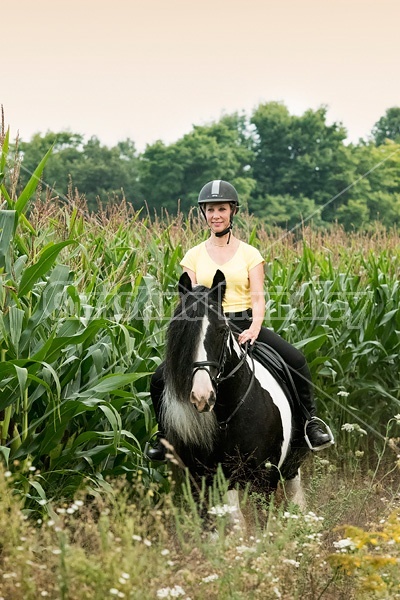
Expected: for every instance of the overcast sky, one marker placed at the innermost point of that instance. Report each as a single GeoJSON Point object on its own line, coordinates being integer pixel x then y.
{"type": "Point", "coordinates": [151, 69]}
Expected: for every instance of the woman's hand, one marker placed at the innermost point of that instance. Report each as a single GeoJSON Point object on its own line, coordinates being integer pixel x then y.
{"type": "Point", "coordinates": [248, 335]}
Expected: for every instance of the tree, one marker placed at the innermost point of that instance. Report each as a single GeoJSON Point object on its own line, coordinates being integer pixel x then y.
{"type": "Point", "coordinates": [106, 172]}
{"type": "Point", "coordinates": [299, 156]}
{"type": "Point", "coordinates": [221, 150]}
{"type": "Point", "coordinates": [161, 176]}
{"type": "Point", "coordinates": [66, 153]}
{"type": "Point", "coordinates": [286, 211]}
{"type": "Point", "coordinates": [388, 127]}
{"type": "Point", "coordinates": [94, 169]}
{"type": "Point", "coordinates": [375, 195]}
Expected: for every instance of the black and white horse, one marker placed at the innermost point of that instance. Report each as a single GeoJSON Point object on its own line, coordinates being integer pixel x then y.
{"type": "Point", "coordinates": [222, 406]}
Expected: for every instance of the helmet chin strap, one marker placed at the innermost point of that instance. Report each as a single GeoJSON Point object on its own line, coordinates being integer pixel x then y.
{"type": "Point", "coordinates": [224, 232]}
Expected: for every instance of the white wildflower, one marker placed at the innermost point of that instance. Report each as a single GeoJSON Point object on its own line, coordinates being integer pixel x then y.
{"type": "Point", "coordinates": [344, 545]}
{"type": "Point", "coordinates": [397, 417]}
{"type": "Point", "coordinates": [222, 510]}
{"type": "Point", "coordinates": [168, 592]}
{"type": "Point", "coordinates": [137, 538]}
{"type": "Point", "coordinates": [243, 548]}
{"type": "Point", "coordinates": [348, 427]}
{"type": "Point", "coordinates": [290, 561]}
{"type": "Point", "coordinates": [353, 427]}
{"type": "Point", "coordinates": [343, 393]}
{"type": "Point", "coordinates": [165, 552]}
{"type": "Point", "coordinates": [210, 578]}
{"type": "Point", "coordinates": [312, 517]}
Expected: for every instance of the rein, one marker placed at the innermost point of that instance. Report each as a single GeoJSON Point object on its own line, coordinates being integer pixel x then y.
{"type": "Point", "coordinates": [219, 365]}
{"type": "Point", "coordinates": [223, 425]}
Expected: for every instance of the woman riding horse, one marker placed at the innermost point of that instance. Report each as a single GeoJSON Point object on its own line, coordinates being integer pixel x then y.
{"type": "Point", "coordinates": [244, 304]}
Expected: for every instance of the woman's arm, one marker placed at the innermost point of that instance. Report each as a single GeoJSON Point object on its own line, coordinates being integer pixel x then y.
{"type": "Point", "coordinates": [256, 278]}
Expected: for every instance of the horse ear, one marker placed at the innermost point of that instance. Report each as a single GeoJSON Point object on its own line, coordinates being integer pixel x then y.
{"type": "Point", "coordinates": [218, 287]}
{"type": "Point", "coordinates": [185, 284]}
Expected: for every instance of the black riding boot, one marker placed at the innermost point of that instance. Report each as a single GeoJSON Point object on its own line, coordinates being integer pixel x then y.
{"type": "Point", "coordinates": [316, 432]}
{"type": "Point", "coordinates": [156, 450]}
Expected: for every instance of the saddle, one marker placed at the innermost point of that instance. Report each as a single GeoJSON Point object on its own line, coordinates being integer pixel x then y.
{"type": "Point", "coordinates": [278, 368]}
{"type": "Point", "coordinates": [274, 363]}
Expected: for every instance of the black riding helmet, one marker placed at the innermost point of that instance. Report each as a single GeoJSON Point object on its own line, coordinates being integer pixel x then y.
{"type": "Point", "coordinates": [219, 190]}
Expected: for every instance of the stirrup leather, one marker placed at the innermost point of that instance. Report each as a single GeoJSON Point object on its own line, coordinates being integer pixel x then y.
{"type": "Point", "coordinates": [328, 431]}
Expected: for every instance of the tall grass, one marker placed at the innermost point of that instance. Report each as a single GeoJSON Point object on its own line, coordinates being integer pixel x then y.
{"type": "Point", "coordinates": [123, 544]}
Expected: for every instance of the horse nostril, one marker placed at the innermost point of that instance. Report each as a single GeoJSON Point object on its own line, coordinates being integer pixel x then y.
{"type": "Point", "coordinates": [198, 404]}
{"type": "Point", "coordinates": [211, 401]}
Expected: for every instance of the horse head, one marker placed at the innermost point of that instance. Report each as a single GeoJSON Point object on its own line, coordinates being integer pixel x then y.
{"type": "Point", "coordinates": [197, 338]}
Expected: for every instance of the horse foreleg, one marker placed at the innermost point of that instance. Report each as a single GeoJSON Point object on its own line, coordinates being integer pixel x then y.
{"type": "Point", "coordinates": [294, 491]}
{"type": "Point", "coordinates": [237, 520]}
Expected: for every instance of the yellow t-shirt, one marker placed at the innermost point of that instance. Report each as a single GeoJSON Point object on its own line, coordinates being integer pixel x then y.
{"type": "Point", "coordinates": [236, 271]}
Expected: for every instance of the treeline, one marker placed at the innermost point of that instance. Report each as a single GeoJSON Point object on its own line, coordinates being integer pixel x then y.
{"type": "Point", "coordinates": [285, 167]}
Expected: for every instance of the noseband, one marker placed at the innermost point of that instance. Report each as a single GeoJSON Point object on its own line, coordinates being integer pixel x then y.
{"type": "Point", "coordinates": [206, 365]}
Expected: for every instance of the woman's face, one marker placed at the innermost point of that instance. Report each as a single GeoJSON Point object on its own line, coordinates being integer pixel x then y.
{"type": "Point", "coordinates": [218, 215]}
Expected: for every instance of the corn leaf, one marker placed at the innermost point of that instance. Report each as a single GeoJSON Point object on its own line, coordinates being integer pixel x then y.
{"type": "Point", "coordinates": [29, 189]}
{"type": "Point", "coordinates": [111, 383]}
{"type": "Point", "coordinates": [41, 267]}
{"type": "Point", "coordinates": [8, 222]}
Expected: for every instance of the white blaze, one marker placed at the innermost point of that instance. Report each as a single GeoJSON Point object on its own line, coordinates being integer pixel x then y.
{"type": "Point", "coordinates": [202, 386]}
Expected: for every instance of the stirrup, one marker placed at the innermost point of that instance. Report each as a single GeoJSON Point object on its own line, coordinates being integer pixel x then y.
{"type": "Point", "coordinates": [328, 431]}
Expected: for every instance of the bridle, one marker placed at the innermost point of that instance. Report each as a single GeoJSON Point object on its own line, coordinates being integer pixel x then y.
{"type": "Point", "coordinates": [202, 365]}
{"type": "Point", "coordinates": [207, 365]}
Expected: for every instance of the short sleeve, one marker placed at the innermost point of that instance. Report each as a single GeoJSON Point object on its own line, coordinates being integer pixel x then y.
{"type": "Point", "coordinates": [189, 261]}
{"type": "Point", "coordinates": [254, 258]}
